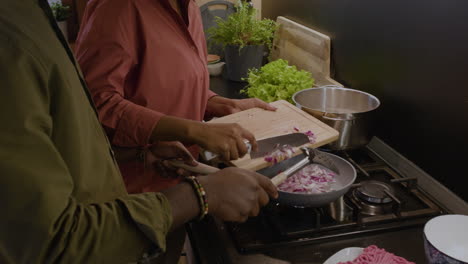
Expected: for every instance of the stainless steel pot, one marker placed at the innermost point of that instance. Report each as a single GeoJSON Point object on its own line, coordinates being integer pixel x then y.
{"type": "Point", "coordinates": [344, 109]}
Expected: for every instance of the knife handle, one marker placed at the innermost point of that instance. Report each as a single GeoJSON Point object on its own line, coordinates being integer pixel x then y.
{"type": "Point", "coordinates": [200, 168]}
{"type": "Point", "coordinates": [208, 155]}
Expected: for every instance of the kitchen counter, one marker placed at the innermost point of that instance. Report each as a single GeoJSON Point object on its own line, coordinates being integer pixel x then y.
{"type": "Point", "coordinates": [212, 243]}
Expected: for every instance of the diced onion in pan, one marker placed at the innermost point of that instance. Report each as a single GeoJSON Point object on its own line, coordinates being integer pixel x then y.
{"type": "Point", "coordinates": [313, 178]}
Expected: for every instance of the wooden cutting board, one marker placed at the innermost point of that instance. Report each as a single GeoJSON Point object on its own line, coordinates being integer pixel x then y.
{"type": "Point", "coordinates": [305, 48]}
{"type": "Point", "coordinates": [265, 124]}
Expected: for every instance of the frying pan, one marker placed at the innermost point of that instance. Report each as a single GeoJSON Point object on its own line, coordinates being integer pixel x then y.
{"type": "Point", "coordinates": [346, 175]}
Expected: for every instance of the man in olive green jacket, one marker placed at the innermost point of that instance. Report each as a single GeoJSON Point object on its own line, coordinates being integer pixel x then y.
{"type": "Point", "coordinates": [62, 197]}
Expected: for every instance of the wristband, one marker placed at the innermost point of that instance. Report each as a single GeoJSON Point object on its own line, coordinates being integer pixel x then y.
{"type": "Point", "coordinates": [201, 194]}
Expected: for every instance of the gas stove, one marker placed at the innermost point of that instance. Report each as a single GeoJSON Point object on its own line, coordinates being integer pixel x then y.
{"type": "Point", "coordinates": [380, 199]}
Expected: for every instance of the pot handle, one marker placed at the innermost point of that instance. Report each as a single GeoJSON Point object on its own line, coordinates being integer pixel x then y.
{"type": "Point", "coordinates": [337, 118]}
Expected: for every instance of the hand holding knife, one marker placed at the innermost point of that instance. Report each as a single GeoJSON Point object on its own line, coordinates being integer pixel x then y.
{"type": "Point", "coordinates": [267, 145]}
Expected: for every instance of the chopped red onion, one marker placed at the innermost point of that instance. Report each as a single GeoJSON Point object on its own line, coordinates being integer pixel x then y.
{"type": "Point", "coordinates": [284, 152]}
{"type": "Point", "coordinates": [313, 178]}
{"type": "Point", "coordinates": [312, 136]}
{"type": "Point", "coordinates": [279, 154]}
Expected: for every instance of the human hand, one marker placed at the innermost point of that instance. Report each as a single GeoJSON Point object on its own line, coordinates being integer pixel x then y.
{"type": "Point", "coordinates": [161, 152]}
{"type": "Point", "coordinates": [244, 104]}
{"type": "Point", "coordinates": [172, 150]}
{"type": "Point", "coordinates": [220, 106]}
{"type": "Point", "coordinates": [234, 194]}
{"type": "Point", "coordinates": [227, 140]}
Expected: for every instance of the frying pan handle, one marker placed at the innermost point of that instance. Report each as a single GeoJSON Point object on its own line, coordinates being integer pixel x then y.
{"type": "Point", "coordinates": [279, 178]}
{"type": "Point", "coordinates": [200, 168]}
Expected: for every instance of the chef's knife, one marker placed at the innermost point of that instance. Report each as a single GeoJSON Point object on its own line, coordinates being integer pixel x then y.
{"type": "Point", "coordinates": [267, 145]}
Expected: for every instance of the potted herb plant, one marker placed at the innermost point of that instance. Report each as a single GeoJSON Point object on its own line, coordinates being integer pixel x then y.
{"type": "Point", "coordinates": [244, 38]}
{"type": "Point", "coordinates": [61, 14]}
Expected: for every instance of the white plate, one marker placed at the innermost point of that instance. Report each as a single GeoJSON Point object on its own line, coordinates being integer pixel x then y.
{"type": "Point", "coordinates": [346, 254]}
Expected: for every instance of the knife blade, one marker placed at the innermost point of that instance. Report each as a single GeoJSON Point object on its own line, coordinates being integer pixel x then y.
{"type": "Point", "coordinates": [267, 145]}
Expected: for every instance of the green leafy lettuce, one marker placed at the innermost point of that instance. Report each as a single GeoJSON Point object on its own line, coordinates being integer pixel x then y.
{"type": "Point", "coordinates": [277, 81]}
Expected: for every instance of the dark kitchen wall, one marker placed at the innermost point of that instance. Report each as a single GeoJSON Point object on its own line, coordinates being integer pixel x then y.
{"type": "Point", "coordinates": [412, 55]}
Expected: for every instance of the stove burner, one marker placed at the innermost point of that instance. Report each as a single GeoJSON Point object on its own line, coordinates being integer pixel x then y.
{"type": "Point", "coordinates": [372, 209]}
{"type": "Point", "coordinates": [374, 192]}
{"type": "Point", "coordinates": [380, 201]}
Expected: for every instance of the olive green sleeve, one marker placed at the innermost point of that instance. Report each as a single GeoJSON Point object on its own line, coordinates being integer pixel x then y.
{"type": "Point", "coordinates": [41, 221]}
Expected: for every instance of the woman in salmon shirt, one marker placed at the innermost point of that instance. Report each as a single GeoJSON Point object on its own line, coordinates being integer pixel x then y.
{"type": "Point", "coordinates": [145, 64]}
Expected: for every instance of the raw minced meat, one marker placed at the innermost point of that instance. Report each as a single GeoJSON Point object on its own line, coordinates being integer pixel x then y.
{"type": "Point", "coordinates": [374, 255]}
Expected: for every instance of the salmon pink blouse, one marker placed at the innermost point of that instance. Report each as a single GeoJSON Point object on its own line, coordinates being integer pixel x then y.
{"type": "Point", "coordinates": [142, 60]}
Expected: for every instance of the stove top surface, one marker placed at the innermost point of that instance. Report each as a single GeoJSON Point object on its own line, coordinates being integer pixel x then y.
{"type": "Point", "coordinates": [380, 200]}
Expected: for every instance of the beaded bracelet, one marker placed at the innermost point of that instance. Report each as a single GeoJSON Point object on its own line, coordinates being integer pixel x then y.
{"type": "Point", "coordinates": [200, 191]}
